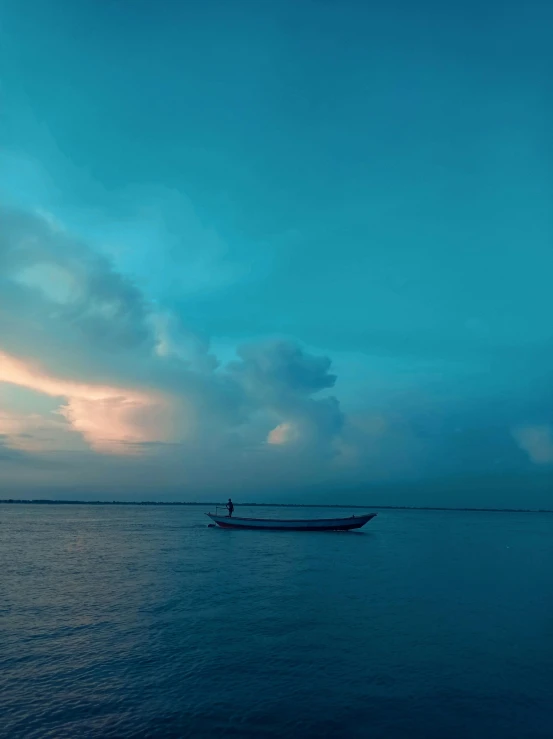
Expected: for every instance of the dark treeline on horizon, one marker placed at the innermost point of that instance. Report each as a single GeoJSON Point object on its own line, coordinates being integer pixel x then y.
{"type": "Point", "coordinates": [45, 501]}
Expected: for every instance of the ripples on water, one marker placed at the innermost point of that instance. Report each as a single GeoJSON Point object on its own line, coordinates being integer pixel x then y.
{"type": "Point", "coordinates": [137, 622]}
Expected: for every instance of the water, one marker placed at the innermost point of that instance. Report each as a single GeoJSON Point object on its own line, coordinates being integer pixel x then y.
{"type": "Point", "coordinates": [143, 622]}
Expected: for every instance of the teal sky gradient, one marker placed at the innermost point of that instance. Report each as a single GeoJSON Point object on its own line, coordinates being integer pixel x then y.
{"type": "Point", "coordinates": [367, 182]}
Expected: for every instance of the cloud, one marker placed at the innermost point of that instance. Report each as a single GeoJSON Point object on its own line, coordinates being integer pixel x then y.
{"type": "Point", "coordinates": [537, 442]}
{"type": "Point", "coordinates": [279, 369]}
{"type": "Point", "coordinates": [47, 272]}
{"type": "Point", "coordinates": [120, 386]}
{"type": "Point", "coordinates": [284, 433]}
{"type": "Point", "coordinates": [108, 418]}
{"type": "Point", "coordinates": [174, 340]}
{"type": "Point", "coordinates": [204, 408]}
{"type": "Point", "coordinates": [116, 424]}
{"type": "Point", "coordinates": [33, 432]}
{"type": "Point", "coordinates": [281, 377]}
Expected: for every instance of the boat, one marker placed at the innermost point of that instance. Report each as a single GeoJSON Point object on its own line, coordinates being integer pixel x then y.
{"type": "Point", "coordinates": [299, 524]}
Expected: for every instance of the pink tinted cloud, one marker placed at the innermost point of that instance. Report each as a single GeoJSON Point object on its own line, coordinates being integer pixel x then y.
{"type": "Point", "coordinates": [284, 433]}
{"type": "Point", "coordinates": [111, 419]}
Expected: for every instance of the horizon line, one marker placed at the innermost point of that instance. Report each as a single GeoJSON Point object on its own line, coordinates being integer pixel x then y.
{"type": "Point", "coordinates": [51, 501]}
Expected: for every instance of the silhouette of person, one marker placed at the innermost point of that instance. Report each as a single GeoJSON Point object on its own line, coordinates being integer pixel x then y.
{"type": "Point", "coordinates": [230, 506]}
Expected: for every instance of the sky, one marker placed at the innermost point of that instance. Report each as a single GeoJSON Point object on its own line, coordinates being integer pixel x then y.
{"type": "Point", "coordinates": [297, 250]}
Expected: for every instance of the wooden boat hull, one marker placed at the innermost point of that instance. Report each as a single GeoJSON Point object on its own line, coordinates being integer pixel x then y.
{"type": "Point", "coordinates": [317, 524]}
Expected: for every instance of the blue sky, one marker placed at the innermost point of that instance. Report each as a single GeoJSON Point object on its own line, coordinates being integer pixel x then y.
{"type": "Point", "coordinates": [275, 248]}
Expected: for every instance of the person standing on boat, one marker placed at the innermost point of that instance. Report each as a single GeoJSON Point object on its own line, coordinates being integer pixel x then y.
{"type": "Point", "coordinates": [230, 506]}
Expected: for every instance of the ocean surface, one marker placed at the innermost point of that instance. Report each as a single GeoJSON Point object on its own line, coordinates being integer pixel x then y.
{"type": "Point", "coordinates": [143, 622]}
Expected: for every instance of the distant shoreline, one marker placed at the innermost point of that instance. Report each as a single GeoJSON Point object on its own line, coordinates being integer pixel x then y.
{"type": "Point", "coordinates": [13, 501]}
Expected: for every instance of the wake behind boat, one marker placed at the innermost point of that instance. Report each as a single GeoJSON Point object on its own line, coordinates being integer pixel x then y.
{"type": "Point", "coordinates": [298, 524]}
